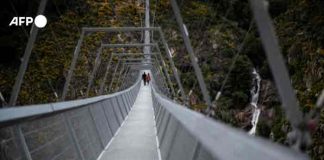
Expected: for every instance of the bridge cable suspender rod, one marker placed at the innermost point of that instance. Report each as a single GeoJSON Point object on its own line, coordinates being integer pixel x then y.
{"type": "Point", "coordinates": [113, 76]}
{"type": "Point", "coordinates": [183, 95]}
{"type": "Point", "coordinates": [220, 28]}
{"type": "Point", "coordinates": [94, 71]}
{"type": "Point", "coordinates": [71, 69]}
{"type": "Point", "coordinates": [157, 78]}
{"type": "Point", "coordinates": [193, 58]}
{"type": "Point", "coordinates": [23, 66]}
{"type": "Point", "coordinates": [160, 78]}
{"type": "Point", "coordinates": [238, 52]}
{"type": "Point", "coordinates": [164, 67]}
{"type": "Point", "coordinates": [173, 67]}
{"type": "Point", "coordinates": [103, 81]}
{"type": "Point", "coordinates": [120, 74]}
{"type": "Point", "coordinates": [123, 78]}
{"type": "Point", "coordinates": [279, 71]}
{"type": "Point", "coordinates": [165, 73]}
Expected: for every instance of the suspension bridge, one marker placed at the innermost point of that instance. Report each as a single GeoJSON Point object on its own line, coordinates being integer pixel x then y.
{"type": "Point", "coordinates": [142, 122]}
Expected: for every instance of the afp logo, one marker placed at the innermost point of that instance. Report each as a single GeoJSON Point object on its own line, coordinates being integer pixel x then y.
{"type": "Point", "coordinates": [40, 21]}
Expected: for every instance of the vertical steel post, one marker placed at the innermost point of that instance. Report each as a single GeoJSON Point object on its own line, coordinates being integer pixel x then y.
{"type": "Point", "coordinates": [123, 78]}
{"type": "Point", "coordinates": [193, 58]}
{"type": "Point", "coordinates": [168, 80]}
{"type": "Point", "coordinates": [73, 63]}
{"type": "Point", "coordinates": [129, 73]}
{"type": "Point", "coordinates": [161, 78]}
{"type": "Point", "coordinates": [113, 76]}
{"type": "Point", "coordinates": [120, 75]}
{"type": "Point", "coordinates": [166, 71]}
{"type": "Point", "coordinates": [23, 66]}
{"type": "Point", "coordinates": [174, 69]}
{"type": "Point", "coordinates": [94, 71]}
{"type": "Point", "coordinates": [155, 73]}
{"type": "Point", "coordinates": [103, 81]}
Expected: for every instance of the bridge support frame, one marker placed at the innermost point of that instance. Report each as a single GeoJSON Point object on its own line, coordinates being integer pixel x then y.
{"type": "Point", "coordinates": [72, 67]}
{"type": "Point", "coordinates": [23, 66]}
{"type": "Point", "coordinates": [121, 29]}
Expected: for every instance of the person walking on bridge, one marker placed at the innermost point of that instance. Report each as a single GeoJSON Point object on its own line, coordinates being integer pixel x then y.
{"type": "Point", "coordinates": [148, 78]}
{"type": "Point", "coordinates": [144, 78]}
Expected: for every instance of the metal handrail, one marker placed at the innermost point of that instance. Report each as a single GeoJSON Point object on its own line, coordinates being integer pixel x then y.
{"type": "Point", "coordinates": [22, 112]}
{"type": "Point", "coordinates": [217, 138]}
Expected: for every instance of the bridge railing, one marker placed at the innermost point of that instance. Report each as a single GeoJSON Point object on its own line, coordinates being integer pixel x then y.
{"type": "Point", "coordinates": [186, 134]}
{"type": "Point", "coordinates": [78, 129]}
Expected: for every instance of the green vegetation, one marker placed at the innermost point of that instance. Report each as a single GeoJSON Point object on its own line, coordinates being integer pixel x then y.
{"type": "Point", "coordinates": [216, 28]}
{"type": "Point", "coordinates": [216, 36]}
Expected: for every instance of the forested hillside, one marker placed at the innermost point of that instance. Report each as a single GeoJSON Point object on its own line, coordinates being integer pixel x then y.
{"type": "Point", "coordinates": [217, 30]}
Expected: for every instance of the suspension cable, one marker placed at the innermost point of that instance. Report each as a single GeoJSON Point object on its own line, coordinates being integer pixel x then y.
{"type": "Point", "coordinates": [299, 135]}
{"type": "Point", "coordinates": [239, 50]}
{"type": "Point", "coordinates": [193, 58]}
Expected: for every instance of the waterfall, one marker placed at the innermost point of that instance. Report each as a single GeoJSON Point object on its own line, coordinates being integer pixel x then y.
{"type": "Point", "coordinates": [255, 90]}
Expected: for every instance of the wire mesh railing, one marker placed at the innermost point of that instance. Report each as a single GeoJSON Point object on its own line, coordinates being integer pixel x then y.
{"type": "Point", "coordinates": [78, 129]}
{"type": "Point", "coordinates": [214, 40]}
{"type": "Point", "coordinates": [186, 134]}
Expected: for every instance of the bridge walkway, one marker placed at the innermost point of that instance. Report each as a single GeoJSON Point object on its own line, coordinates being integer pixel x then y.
{"type": "Point", "coordinates": [136, 139]}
